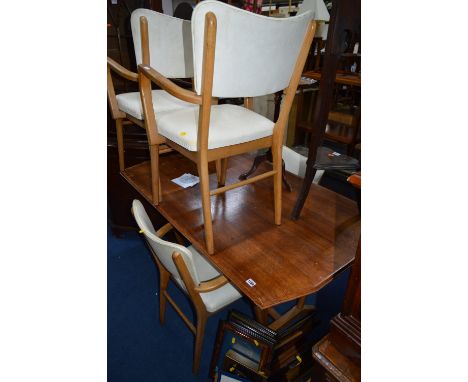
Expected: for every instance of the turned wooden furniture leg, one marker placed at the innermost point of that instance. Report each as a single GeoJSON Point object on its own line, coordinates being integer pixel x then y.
{"type": "Point", "coordinates": [262, 158]}
{"type": "Point", "coordinates": [261, 315]}
{"type": "Point", "coordinates": [201, 322]}
{"type": "Point", "coordinates": [164, 277]}
{"type": "Point", "coordinates": [205, 196]}
{"type": "Point", "coordinates": [154, 154]}
{"type": "Point", "coordinates": [258, 159]}
{"type": "Point", "coordinates": [120, 143]}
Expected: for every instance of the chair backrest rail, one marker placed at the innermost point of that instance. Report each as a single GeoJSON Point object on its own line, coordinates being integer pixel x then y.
{"type": "Point", "coordinates": [170, 40]}
{"type": "Point", "coordinates": [255, 55]}
{"type": "Point", "coordinates": [162, 248]}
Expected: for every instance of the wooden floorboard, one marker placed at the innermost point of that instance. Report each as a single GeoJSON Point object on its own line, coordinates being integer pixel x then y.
{"type": "Point", "coordinates": [286, 262]}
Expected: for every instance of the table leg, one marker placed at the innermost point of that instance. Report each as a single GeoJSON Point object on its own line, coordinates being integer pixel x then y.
{"type": "Point", "coordinates": [261, 315]}
{"type": "Point", "coordinates": [262, 158]}
{"type": "Point", "coordinates": [290, 314]}
{"type": "Point", "coordinates": [258, 159]}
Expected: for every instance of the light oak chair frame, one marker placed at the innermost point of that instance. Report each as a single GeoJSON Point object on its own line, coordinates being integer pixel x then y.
{"type": "Point", "coordinates": [203, 155]}
{"type": "Point", "coordinates": [155, 139]}
{"type": "Point", "coordinates": [193, 291]}
{"type": "Point", "coordinates": [121, 118]}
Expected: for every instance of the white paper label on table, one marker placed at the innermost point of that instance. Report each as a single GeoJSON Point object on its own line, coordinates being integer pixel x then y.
{"type": "Point", "coordinates": [186, 180]}
{"type": "Point", "coordinates": [250, 282]}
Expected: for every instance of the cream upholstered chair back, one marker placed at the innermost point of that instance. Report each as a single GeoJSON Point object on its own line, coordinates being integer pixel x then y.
{"type": "Point", "coordinates": [319, 13]}
{"type": "Point", "coordinates": [162, 248]}
{"type": "Point", "coordinates": [170, 40]}
{"type": "Point", "coordinates": [318, 8]}
{"type": "Point", "coordinates": [255, 55]}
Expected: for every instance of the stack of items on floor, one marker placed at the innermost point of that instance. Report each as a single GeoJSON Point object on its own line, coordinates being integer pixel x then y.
{"type": "Point", "coordinates": [244, 348]}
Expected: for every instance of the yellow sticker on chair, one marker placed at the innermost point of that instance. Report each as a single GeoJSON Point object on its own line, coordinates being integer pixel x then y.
{"type": "Point", "coordinates": [233, 340]}
{"type": "Point", "coordinates": [141, 231]}
{"type": "Point", "coordinates": [256, 343]}
{"type": "Point", "coordinates": [183, 134]}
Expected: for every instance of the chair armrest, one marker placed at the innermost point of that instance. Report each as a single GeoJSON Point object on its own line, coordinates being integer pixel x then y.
{"type": "Point", "coordinates": [184, 83]}
{"type": "Point", "coordinates": [164, 229]}
{"type": "Point", "coordinates": [120, 70]}
{"type": "Point", "coordinates": [169, 86]}
{"type": "Point", "coordinates": [211, 285]}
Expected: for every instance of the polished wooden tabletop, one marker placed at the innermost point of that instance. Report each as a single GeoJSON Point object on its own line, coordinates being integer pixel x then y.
{"type": "Point", "coordinates": [285, 262]}
{"type": "Point", "coordinates": [341, 78]}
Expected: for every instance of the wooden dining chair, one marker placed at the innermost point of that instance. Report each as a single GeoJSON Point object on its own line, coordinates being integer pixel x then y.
{"type": "Point", "coordinates": [170, 52]}
{"type": "Point", "coordinates": [208, 290]}
{"type": "Point", "coordinates": [233, 50]}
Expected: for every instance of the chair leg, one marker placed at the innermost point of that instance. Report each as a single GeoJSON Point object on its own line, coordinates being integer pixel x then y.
{"type": "Point", "coordinates": [201, 322]}
{"type": "Point", "coordinates": [120, 143]}
{"type": "Point", "coordinates": [277, 181]}
{"type": "Point", "coordinates": [218, 171]}
{"type": "Point", "coordinates": [205, 196]}
{"type": "Point", "coordinates": [224, 163]}
{"type": "Point", "coordinates": [221, 168]}
{"type": "Point", "coordinates": [154, 154]}
{"type": "Point", "coordinates": [164, 277]}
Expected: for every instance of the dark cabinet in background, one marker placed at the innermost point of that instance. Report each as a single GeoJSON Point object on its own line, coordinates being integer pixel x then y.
{"type": "Point", "coordinates": [120, 48]}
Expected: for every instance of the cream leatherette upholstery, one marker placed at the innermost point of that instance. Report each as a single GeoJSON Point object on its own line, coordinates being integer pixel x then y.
{"type": "Point", "coordinates": [130, 103]}
{"type": "Point", "coordinates": [319, 13]}
{"type": "Point", "coordinates": [255, 55]}
{"type": "Point", "coordinates": [318, 8]}
{"type": "Point", "coordinates": [163, 248]}
{"type": "Point", "coordinates": [229, 125]}
{"type": "Point", "coordinates": [200, 269]}
{"type": "Point", "coordinates": [170, 43]}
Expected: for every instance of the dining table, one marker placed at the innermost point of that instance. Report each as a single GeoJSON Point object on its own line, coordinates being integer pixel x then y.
{"type": "Point", "coordinates": [269, 264]}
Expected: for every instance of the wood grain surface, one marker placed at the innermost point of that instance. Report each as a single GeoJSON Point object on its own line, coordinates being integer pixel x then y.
{"type": "Point", "coordinates": [286, 262]}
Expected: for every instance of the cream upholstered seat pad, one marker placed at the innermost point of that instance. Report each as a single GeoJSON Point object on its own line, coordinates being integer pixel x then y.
{"type": "Point", "coordinates": [229, 125]}
{"type": "Point", "coordinates": [218, 298]}
{"type": "Point", "coordinates": [130, 103]}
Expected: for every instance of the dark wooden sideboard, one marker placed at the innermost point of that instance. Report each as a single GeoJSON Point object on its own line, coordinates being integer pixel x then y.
{"type": "Point", "coordinates": [338, 354]}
